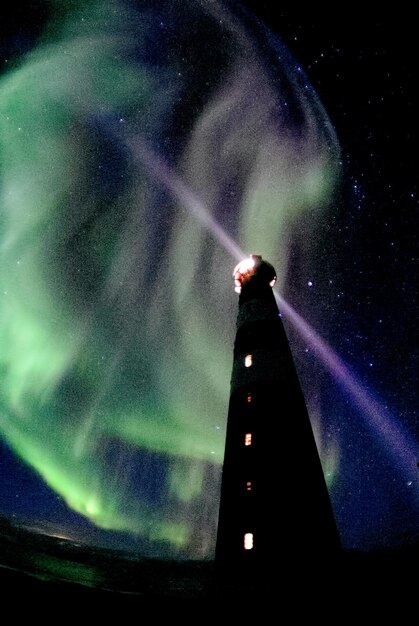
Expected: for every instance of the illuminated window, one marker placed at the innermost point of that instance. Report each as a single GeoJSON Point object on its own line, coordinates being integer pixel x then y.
{"type": "Point", "coordinates": [248, 439]}
{"type": "Point", "coordinates": [248, 360]}
{"type": "Point", "coordinates": [248, 541]}
{"type": "Point", "coordinates": [249, 485]}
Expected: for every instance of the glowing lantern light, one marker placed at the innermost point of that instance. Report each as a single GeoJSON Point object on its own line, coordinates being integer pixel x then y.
{"type": "Point", "coordinates": [242, 272]}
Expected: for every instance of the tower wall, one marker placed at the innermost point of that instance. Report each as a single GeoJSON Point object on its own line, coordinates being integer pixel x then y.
{"type": "Point", "coordinates": [274, 506]}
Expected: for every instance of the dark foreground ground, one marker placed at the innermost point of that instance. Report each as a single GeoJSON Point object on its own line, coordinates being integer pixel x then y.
{"type": "Point", "coordinates": [59, 579]}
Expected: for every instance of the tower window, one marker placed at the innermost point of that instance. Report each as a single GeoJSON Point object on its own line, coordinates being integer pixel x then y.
{"type": "Point", "coordinates": [249, 485]}
{"type": "Point", "coordinates": [248, 541]}
{"type": "Point", "coordinates": [248, 439]}
{"type": "Point", "coordinates": [248, 360]}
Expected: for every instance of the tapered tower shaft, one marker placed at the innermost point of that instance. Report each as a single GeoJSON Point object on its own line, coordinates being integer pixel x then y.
{"type": "Point", "coordinates": [274, 506]}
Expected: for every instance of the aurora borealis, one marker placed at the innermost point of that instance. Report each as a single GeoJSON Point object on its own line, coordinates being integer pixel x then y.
{"type": "Point", "coordinates": [117, 304]}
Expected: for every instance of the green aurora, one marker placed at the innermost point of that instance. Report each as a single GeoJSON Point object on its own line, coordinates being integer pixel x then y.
{"type": "Point", "coordinates": [117, 307]}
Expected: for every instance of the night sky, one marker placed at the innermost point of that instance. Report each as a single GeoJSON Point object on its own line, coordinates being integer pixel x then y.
{"type": "Point", "coordinates": [143, 146]}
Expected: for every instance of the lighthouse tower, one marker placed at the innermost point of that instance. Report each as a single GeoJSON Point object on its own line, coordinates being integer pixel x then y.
{"type": "Point", "coordinates": [274, 509]}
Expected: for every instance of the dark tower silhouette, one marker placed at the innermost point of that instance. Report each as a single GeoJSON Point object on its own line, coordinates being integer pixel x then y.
{"type": "Point", "coordinates": [275, 509]}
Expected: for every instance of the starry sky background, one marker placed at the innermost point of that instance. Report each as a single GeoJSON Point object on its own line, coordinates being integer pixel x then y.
{"type": "Point", "coordinates": [116, 435]}
{"type": "Point", "coordinates": [364, 70]}
{"type": "Point", "coordinates": [365, 73]}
